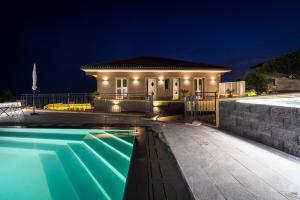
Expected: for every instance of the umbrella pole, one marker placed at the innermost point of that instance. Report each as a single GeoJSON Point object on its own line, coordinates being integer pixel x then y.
{"type": "Point", "coordinates": [33, 104]}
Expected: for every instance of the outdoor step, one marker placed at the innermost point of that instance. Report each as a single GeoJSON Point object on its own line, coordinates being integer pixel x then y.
{"type": "Point", "coordinates": [116, 158]}
{"type": "Point", "coordinates": [58, 181]}
{"type": "Point", "coordinates": [112, 181]}
{"type": "Point", "coordinates": [123, 143]}
{"type": "Point", "coordinates": [117, 145]}
{"type": "Point", "coordinates": [84, 182]}
{"type": "Point", "coordinates": [124, 148]}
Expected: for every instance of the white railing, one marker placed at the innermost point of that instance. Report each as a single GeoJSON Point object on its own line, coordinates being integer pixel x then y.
{"type": "Point", "coordinates": [236, 88]}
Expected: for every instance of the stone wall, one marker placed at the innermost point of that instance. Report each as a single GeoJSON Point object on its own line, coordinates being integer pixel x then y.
{"type": "Point", "coordinates": [274, 126]}
{"type": "Point", "coordinates": [286, 84]}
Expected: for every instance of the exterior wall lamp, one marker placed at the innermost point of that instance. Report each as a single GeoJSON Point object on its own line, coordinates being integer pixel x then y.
{"type": "Point", "coordinates": [105, 80]}
{"type": "Point", "coordinates": [186, 80]}
{"type": "Point", "coordinates": [136, 80]}
{"type": "Point", "coordinates": [213, 80]}
{"type": "Point", "coordinates": [160, 80]}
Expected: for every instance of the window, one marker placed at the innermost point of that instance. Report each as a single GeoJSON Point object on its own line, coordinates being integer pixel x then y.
{"type": "Point", "coordinates": [121, 87]}
{"type": "Point", "coordinates": [167, 84]}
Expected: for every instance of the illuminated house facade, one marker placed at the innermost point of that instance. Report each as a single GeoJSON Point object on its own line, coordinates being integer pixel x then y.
{"type": "Point", "coordinates": [165, 79]}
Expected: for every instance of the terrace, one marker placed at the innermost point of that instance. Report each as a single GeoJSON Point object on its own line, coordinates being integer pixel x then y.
{"type": "Point", "coordinates": [214, 164]}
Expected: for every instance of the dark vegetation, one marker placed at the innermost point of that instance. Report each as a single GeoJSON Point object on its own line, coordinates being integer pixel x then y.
{"type": "Point", "coordinates": [261, 77]}
{"type": "Point", "coordinates": [6, 95]}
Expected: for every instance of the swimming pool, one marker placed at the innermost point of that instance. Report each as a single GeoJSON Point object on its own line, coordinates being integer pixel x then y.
{"type": "Point", "coordinates": [64, 163]}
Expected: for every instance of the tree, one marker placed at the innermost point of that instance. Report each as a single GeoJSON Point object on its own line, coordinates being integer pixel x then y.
{"type": "Point", "coordinates": [6, 95]}
{"type": "Point", "coordinates": [256, 82]}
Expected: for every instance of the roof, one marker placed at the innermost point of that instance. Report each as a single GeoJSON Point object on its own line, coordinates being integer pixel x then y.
{"type": "Point", "coordinates": [152, 63]}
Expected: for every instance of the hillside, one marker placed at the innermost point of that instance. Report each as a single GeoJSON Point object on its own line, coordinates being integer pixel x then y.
{"type": "Point", "coordinates": [262, 77]}
{"type": "Point", "coordinates": [286, 65]}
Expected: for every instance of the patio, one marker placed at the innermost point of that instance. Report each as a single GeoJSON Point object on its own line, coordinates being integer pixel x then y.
{"type": "Point", "coordinates": [218, 165]}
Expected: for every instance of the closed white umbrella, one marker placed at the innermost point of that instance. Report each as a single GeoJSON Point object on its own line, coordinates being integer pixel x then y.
{"type": "Point", "coordinates": [34, 78]}
{"type": "Point", "coordinates": [34, 87]}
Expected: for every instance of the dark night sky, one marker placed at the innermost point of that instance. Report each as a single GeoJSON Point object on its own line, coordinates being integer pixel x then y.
{"type": "Point", "coordinates": [61, 36]}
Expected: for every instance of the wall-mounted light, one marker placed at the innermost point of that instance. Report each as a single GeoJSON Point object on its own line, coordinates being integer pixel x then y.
{"type": "Point", "coordinates": [161, 80]}
{"type": "Point", "coordinates": [213, 80]}
{"type": "Point", "coordinates": [136, 80]}
{"type": "Point", "coordinates": [105, 80]}
{"type": "Point", "coordinates": [186, 80]}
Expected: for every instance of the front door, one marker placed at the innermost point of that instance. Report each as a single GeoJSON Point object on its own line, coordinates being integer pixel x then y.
{"type": "Point", "coordinates": [198, 87]}
{"type": "Point", "coordinates": [121, 87]}
{"type": "Point", "coordinates": [151, 82]}
{"type": "Point", "coordinates": [175, 88]}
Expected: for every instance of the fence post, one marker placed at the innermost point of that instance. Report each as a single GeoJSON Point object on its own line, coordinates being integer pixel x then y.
{"type": "Point", "coordinates": [53, 101]}
{"type": "Point", "coordinates": [150, 105]}
{"type": "Point", "coordinates": [217, 110]}
{"type": "Point", "coordinates": [185, 108]}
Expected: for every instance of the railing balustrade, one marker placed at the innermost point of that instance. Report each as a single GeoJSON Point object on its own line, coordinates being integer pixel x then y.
{"type": "Point", "coordinates": [202, 107]}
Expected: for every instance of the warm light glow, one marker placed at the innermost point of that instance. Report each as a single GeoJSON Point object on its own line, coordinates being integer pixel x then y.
{"type": "Point", "coordinates": [70, 106]}
{"type": "Point", "coordinates": [160, 80]}
{"type": "Point", "coordinates": [105, 78]}
{"type": "Point", "coordinates": [116, 108]}
{"type": "Point", "coordinates": [186, 80]}
{"type": "Point", "coordinates": [213, 80]}
{"type": "Point", "coordinates": [157, 103]}
{"type": "Point", "coordinates": [116, 102]}
{"type": "Point", "coordinates": [135, 80]}
{"type": "Point", "coordinates": [156, 70]}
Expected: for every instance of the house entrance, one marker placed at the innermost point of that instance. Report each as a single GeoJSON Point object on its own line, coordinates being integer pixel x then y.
{"type": "Point", "coordinates": [175, 88]}
{"type": "Point", "coordinates": [151, 82]}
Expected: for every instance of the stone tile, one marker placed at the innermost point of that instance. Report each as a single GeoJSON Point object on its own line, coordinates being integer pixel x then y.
{"type": "Point", "coordinates": [234, 168]}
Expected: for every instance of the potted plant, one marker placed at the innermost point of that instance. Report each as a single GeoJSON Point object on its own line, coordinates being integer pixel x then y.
{"type": "Point", "coordinates": [184, 92]}
{"type": "Point", "coordinates": [230, 92]}
{"type": "Point", "coordinates": [96, 95]}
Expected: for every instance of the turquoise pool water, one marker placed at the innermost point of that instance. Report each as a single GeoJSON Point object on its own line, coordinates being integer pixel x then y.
{"type": "Point", "coordinates": [64, 164]}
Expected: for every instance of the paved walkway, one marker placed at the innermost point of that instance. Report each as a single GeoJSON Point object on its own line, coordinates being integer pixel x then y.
{"type": "Point", "coordinates": [217, 165]}
{"type": "Point", "coordinates": [76, 119]}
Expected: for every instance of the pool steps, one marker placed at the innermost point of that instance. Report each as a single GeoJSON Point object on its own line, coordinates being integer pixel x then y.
{"type": "Point", "coordinates": [109, 181]}
{"type": "Point", "coordinates": [59, 184]}
{"type": "Point", "coordinates": [81, 155]}
{"type": "Point", "coordinates": [72, 165]}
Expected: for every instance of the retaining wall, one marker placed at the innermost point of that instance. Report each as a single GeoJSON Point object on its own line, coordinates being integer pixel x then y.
{"type": "Point", "coordinates": [274, 126]}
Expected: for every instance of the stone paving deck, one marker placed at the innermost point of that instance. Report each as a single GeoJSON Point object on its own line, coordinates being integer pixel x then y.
{"type": "Point", "coordinates": [76, 119]}
{"type": "Point", "coordinates": [217, 165]}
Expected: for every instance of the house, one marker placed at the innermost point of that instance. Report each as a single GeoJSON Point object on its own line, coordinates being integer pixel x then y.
{"type": "Point", "coordinates": [164, 78]}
